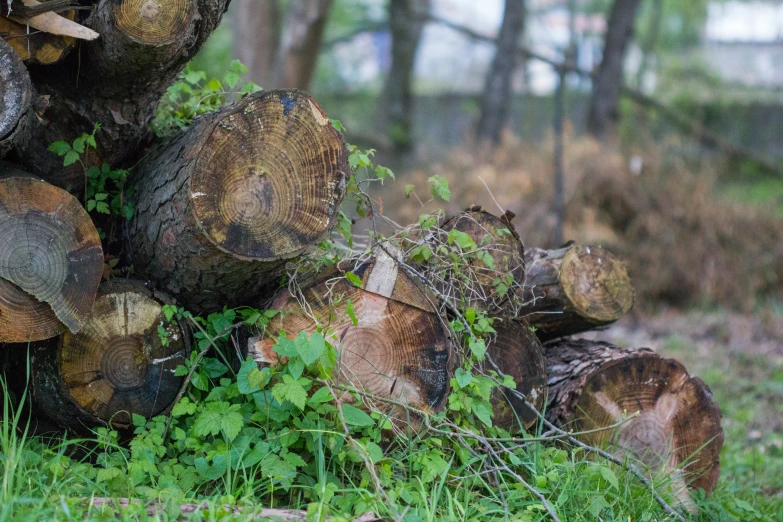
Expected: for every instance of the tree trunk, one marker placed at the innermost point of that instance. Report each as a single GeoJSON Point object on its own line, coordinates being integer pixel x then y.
{"type": "Point", "coordinates": [16, 100]}
{"type": "Point", "coordinates": [497, 93]}
{"type": "Point", "coordinates": [234, 197]}
{"type": "Point", "coordinates": [116, 80]}
{"type": "Point", "coordinates": [406, 22]}
{"type": "Point", "coordinates": [573, 289]}
{"type": "Point", "coordinates": [301, 42]}
{"type": "Point", "coordinates": [490, 285]}
{"type": "Point", "coordinates": [51, 261]}
{"type": "Point", "coordinates": [257, 39]}
{"type": "Point", "coordinates": [517, 352]}
{"type": "Point", "coordinates": [37, 47]}
{"type": "Point", "coordinates": [608, 82]}
{"type": "Point", "coordinates": [398, 348]}
{"type": "Point", "coordinates": [594, 385]}
{"type": "Point", "coordinates": [116, 366]}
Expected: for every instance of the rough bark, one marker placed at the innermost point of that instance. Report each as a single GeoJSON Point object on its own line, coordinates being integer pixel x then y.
{"type": "Point", "coordinates": [257, 38]}
{"type": "Point", "coordinates": [51, 260]}
{"type": "Point", "coordinates": [677, 431]}
{"type": "Point", "coordinates": [36, 47]}
{"type": "Point", "coordinates": [116, 80]}
{"type": "Point", "coordinates": [495, 236]}
{"type": "Point", "coordinates": [399, 348]}
{"type": "Point", "coordinates": [300, 43]}
{"type": "Point", "coordinates": [497, 92]}
{"type": "Point", "coordinates": [16, 100]}
{"type": "Point", "coordinates": [230, 200]}
{"type": "Point", "coordinates": [573, 289]}
{"type": "Point", "coordinates": [406, 22]}
{"type": "Point", "coordinates": [116, 366]}
{"type": "Point", "coordinates": [517, 352]}
{"type": "Point", "coordinates": [608, 82]}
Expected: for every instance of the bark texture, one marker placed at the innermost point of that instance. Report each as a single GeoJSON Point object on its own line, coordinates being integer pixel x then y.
{"type": "Point", "coordinates": [497, 92]}
{"type": "Point", "coordinates": [593, 385]}
{"type": "Point", "coordinates": [16, 100]}
{"type": "Point", "coordinates": [257, 38]}
{"type": "Point", "coordinates": [116, 366]}
{"type": "Point", "coordinates": [227, 202]}
{"type": "Point", "coordinates": [398, 348]}
{"type": "Point", "coordinates": [517, 352]}
{"type": "Point", "coordinates": [573, 289]}
{"type": "Point", "coordinates": [406, 22]}
{"type": "Point", "coordinates": [51, 259]}
{"type": "Point", "coordinates": [116, 80]}
{"type": "Point", "coordinates": [608, 82]}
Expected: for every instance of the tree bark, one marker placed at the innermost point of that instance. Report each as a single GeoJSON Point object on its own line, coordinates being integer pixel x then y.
{"type": "Point", "coordinates": [608, 83]}
{"type": "Point", "coordinates": [593, 385]}
{"type": "Point", "coordinates": [517, 352]}
{"type": "Point", "coordinates": [406, 23]}
{"type": "Point", "coordinates": [16, 100]}
{"type": "Point", "coordinates": [227, 202]}
{"type": "Point", "coordinates": [398, 348]}
{"type": "Point", "coordinates": [37, 47]}
{"type": "Point", "coordinates": [51, 261]}
{"type": "Point", "coordinates": [300, 43]}
{"type": "Point", "coordinates": [573, 289]}
{"type": "Point", "coordinates": [116, 80]}
{"type": "Point", "coordinates": [257, 39]}
{"type": "Point", "coordinates": [497, 92]}
{"type": "Point", "coordinates": [116, 366]}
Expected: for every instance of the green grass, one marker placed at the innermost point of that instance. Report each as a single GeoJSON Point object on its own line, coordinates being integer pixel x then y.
{"type": "Point", "coordinates": [766, 192]}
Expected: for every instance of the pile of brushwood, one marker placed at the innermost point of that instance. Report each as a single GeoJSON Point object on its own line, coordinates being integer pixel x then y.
{"type": "Point", "coordinates": [139, 270]}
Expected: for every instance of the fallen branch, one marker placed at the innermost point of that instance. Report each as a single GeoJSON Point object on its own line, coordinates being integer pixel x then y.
{"type": "Point", "coordinates": [53, 23]}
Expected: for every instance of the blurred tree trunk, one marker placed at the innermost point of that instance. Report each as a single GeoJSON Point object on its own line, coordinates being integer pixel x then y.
{"type": "Point", "coordinates": [406, 23]}
{"type": "Point", "coordinates": [603, 112]}
{"type": "Point", "coordinates": [257, 38]}
{"type": "Point", "coordinates": [497, 93]}
{"type": "Point", "coordinates": [301, 41]}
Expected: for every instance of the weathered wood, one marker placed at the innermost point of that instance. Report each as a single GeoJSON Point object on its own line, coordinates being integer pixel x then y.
{"type": "Point", "coordinates": [53, 23]}
{"type": "Point", "coordinates": [593, 385]}
{"type": "Point", "coordinates": [517, 352]}
{"type": "Point", "coordinates": [36, 47]}
{"type": "Point", "coordinates": [116, 366]}
{"type": "Point", "coordinates": [229, 201]}
{"type": "Point", "coordinates": [573, 289]}
{"type": "Point", "coordinates": [116, 80]}
{"type": "Point", "coordinates": [51, 260]}
{"type": "Point", "coordinates": [16, 100]}
{"type": "Point", "coordinates": [398, 349]}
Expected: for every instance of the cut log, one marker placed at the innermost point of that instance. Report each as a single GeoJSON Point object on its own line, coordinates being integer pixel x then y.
{"type": "Point", "coordinates": [677, 431]}
{"type": "Point", "coordinates": [117, 80]}
{"type": "Point", "coordinates": [573, 289]}
{"type": "Point", "coordinates": [230, 200]}
{"type": "Point", "coordinates": [36, 47]}
{"type": "Point", "coordinates": [51, 260]}
{"type": "Point", "coordinates": [399, 347]}
{"type": "Point", "coordinates": [16, 100]}
{"type": "Point", "coordinates": [116, 366]}
{"type": "Point", "coordinates": [517, 352]}
{"type": "Point", "coordinates": [53, 23]}
{"type": "Point", "coordinates": [490, 285]}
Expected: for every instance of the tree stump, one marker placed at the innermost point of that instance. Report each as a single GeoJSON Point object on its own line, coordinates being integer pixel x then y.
{"type": "Point", "coordinates": [593, 385]}
{"type": "Point", "coordinates": [517, 352]}
{"type": "Point", "coordinates": [16, 100]}
{"type": "Point", "coordinates": [36, 47]}
{"type": "Point", "coordinates": [116, 366]}
{"type": "Point", "coordinates": [399, 347]}
{"type": "Point", "coordinates": [230, 200]}
{"type": "Point", "coordinates": [573, 289]}
{"type": "Point", "coordinates": [50, 263]}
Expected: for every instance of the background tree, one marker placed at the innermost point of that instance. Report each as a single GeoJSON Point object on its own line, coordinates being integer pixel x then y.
{"type": "Point", "coordinates": [257, 38]}
{"type": "Point", "coordinates": [608, 81]}
{"type": "Point", "coordinates": [497, 94]}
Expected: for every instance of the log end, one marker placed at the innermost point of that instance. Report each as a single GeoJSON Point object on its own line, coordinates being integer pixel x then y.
{"type": "Point", "coordinates": [269, 179]}
{"type": "Point", "coordinates": [154, 22]}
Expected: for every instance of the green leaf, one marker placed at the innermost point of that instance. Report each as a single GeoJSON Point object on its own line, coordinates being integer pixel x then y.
{"type": "Point", "coordinates": [90, 205]}
{"type": "Point", "coordinates": [462, 239]}
{"type": "Point", "coordinates": [596, 505]}
{"type": "Point", "coordinates": [70, 158]}
{"type": "Point", "coordinates": [354, 279]}
{"type": "Point", "coordinates": [249, 378]}
{"type": "Point", "coordinates": [183, 407]}
{"type": "Point", "coordinates": [375, 452]}
{"type": "Point", "coordinates": [609, 476]}
{"type": "Point", "coordinates": [139, 420]}
{"type": "Point", "coordinates": [356, 417]}
{"type": "Point", "coordinates": [231, 79]}
{"type": "Point", "coordinates": [193, 77]}
{"type": "Point", "coordinates": [322, 395]}
{"type": "Point", "coordinates": [470, 315]}
{"type": "Point", "coordinates": [464, 379]}
{"type": "Point", "coordinates": [294, 460]}
{"type": "Point", "coordinates": [78, 144]}
{"type": "Point", "coordinates": [102, 207]}
{"type": "Point", "coordinates": [290, 390]}
{"type": "Point", "coordinates": [312, 349]}
{"type": "Point", "coordinates": [440, 188]}
{"type": "Point", "coordinates": [61, 148]}
{"type": "Point", "coordinates": [351, 312]}
{"type": "Point", "coordinates": [483, 411]}
{"type": "Point", "coordinates": [231, 423]}
{"type": "Point", "coordinates": [409, 190]}
{"type": "Point", "coordinates": [477, 348]}
{"type": "Point", "coordinates": [207, 423]}
{"type": "Point", "coordinates": [213, 472]}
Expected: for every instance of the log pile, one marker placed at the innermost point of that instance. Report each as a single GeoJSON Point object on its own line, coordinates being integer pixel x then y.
{"type": "Point", "coordinates": [225, 205]}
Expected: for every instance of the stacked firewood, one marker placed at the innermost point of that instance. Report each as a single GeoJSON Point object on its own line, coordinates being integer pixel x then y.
{"type": "Point", "coordinates": [223, 207]}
